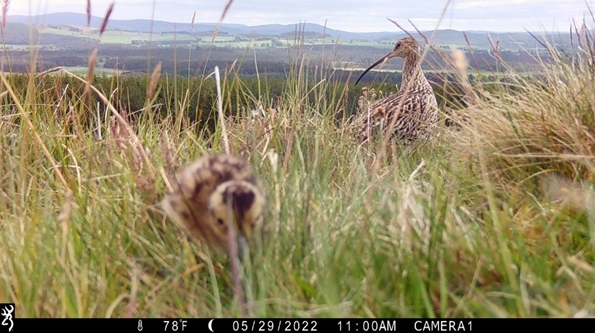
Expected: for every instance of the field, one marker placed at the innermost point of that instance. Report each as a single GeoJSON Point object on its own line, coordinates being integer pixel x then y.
{"type": "Point", "coordinates": [493, 217]}
{"type": "Point", "coordinates": [118, 37]}
{"type": "Point", "coordinates": [130, 37]}
{"type": "Point", "coordinates": [246, 41]}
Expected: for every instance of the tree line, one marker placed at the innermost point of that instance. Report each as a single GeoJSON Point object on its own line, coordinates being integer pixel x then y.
{"type": "Point", "coordinates": [196, 98]}
{"type": "Point", "coordinates": [190, 61]}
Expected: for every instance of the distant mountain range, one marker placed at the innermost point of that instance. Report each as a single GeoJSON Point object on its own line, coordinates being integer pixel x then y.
{"type": "Point", "coordinates": [507, 40]}
{"type": "Point", "coordinates": [140, 25]}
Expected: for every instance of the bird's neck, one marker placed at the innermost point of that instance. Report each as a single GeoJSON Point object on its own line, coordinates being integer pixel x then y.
{"type": "Point", "coordinates": [411, 69]}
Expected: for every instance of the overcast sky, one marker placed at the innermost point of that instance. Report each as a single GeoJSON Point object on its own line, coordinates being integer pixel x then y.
{"type": "Point", "coordinates": [348, 15]}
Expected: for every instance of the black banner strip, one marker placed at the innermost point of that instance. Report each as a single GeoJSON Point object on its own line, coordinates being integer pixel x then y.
{"type": "Point", "coordinates": [149, 325]}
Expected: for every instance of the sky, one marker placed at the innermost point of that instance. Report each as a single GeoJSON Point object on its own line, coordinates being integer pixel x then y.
{"type": "Point", "coordinates": [347, 15]}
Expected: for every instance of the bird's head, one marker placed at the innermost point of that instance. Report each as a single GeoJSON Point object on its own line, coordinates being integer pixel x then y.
{"type": "Point", "coordinates": [238, 204]}
{"type": "Point", "coordinates": [404, 48]}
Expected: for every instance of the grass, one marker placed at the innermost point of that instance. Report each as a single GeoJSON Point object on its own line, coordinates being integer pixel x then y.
{"type": "Point", "coordinates": [491, 219]}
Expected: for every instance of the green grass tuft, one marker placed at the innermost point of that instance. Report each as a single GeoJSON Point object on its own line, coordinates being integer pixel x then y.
{"type": "Point", "coordinates": [491, 219]}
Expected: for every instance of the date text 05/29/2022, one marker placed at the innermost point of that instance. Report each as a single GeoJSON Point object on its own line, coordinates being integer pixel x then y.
{"type": "Point", "coordinates": [392, 326]}
{"type": "Point", "coordinates": [350, 325]}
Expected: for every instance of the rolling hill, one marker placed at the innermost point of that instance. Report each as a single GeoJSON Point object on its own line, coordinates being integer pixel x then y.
{"type": "Point", "coordinates": [478, 39]}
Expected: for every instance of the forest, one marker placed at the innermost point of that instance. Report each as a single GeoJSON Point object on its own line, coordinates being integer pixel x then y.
{"type": "Point", "coordinates": [186, 61]}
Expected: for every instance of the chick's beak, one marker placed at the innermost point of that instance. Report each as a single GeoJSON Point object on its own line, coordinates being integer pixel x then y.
{"type": "Point", "coordinates": [378, 62]}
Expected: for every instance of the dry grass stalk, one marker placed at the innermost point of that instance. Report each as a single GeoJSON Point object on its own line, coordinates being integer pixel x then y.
{"type": "Point", "coordinates": [5, 5]}
{"type": "Point", "coordinates": [232, 243]}
{"type": "Point", "coordinates": [90, 71]}
{"type": "Point", "coordinates": [71, 120]}
{"type": "Point", "coordinates": [234, 259]}
{"type": "Point", "coordinates": [171, 163]}
{"type": "Point", "coordinates": [32, 128]}
{"type": "Point", "coordinates": [88, 13]}
{"type": "Point", "coordinates": [220, 110]}
{"type": "Point", "coordinates": [132, 307]}
{"type": "Point", "coordinates": [66, 212]}
{"type": "Point", "coordinates": [470, 49]}
{"type": "Point", "coordinates": [133, 148]}
{"type": "Point", "coordinates": [154, 79]}
{"type": "Point", "coordinates": [461, 64]}
{"type": "Point", "coordinates": [225, 10]}
{"type": "Point", "coordinates": [495, 48]}
{"type": "Point", "coordinates": [116, 113]}
{"type": "Point", "coordinates": [192, 21]}
{"type": "Point", "coordinates": [51, 70]}
{"type": "Point", "coordinates": [64, 219]}
{"type": "Point", "coordinates": [106, 18]}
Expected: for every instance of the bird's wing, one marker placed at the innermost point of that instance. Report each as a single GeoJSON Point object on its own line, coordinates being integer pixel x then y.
{"type": "Point", "coordinates": [383, 111]}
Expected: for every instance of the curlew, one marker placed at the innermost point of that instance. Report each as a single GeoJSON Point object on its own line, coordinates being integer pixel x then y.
{"type": "Point", "coordinates": [411, 114]}
{"type": "Point", "coordinates": [213, 194]}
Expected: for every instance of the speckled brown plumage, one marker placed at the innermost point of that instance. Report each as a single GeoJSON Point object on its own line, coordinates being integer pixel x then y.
{"type": "Point", "coordinates": [414, 105]}
{"type": "Point", "coordinates": [202, 192]}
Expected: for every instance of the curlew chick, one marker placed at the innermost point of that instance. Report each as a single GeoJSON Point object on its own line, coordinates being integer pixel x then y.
{"type": "Point", "coordinates": [414, 106]}
{"type": "Point", "coordinates": [212, 194]}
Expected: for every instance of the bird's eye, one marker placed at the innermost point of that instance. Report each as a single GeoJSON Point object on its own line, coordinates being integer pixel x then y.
{"type": "Point", "coordinates": [398, 44]}
{"type": "Point", "coordinates": [220, 221]}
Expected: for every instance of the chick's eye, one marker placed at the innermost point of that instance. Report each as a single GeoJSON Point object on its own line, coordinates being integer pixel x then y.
{"type": "Point", "coordinates": [398, 44]}
{"type": "Point", "coordinates": [220, 221]}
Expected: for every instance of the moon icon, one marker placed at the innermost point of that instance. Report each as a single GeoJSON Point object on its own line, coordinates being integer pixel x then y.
{"type": "Point", "coordinates": [211, 325]}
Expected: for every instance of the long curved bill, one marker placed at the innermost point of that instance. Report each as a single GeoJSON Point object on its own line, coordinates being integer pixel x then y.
{"type": "Point", "coordinates": [378, 62]}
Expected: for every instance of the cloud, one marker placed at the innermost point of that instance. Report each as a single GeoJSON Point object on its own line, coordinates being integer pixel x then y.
{"type": "Point", "coordinates": [350, 15]}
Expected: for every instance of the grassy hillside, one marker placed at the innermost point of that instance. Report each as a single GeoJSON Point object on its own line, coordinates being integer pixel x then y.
{"type": "Point", "coordinates": [492, 218]}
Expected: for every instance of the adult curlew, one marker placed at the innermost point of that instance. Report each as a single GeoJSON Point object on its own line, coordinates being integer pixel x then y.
{"type": "Point", "coordinates": [213, 194]}
{"type": "Point", "coordinates": [411, 114]}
